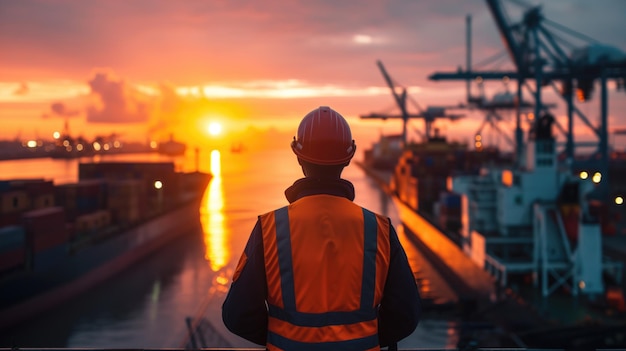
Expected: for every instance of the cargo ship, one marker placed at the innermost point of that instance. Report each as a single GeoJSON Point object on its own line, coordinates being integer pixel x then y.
{"type": "Point", "coordinates": [384, 153]}
{"type": "Point", "coordinates": [59, 240]}
{"type": "Point", "coordinates": [531, 237]}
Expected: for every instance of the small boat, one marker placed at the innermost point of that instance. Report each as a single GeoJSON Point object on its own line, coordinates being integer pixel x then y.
{"type": "Point", "coordinates": [172, 147]}
{"type": "Point", "coordinates": [236, 148]}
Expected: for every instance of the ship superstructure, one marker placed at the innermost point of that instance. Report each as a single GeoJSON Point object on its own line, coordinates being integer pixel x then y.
{"type": "Point", "coordinates": [537, 221]}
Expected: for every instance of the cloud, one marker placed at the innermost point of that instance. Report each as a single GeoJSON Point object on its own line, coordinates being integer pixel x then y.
{"type": "Point", "coordinates": [116, 101]}
{"type": "Point", "coordinates": [318, 41]}
{"type": "Point", "coordinates": [170, 101]}
{"type": "Point", "coordinates": [60, 109]}
{"type": "Point", "coordinates": [167, 109]}
{"type": "Point", "coordinates": [22, 89]}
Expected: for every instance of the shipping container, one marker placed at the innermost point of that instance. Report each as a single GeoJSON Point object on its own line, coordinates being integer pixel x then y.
{"type": "Point", "coordinates": [450, 200]}
{"type": "Point", "coordinates": [8, 219]}
{"type": "Point", "coordinates": [83, 197]}
{"type": "Point", "coordinates": [45, 228]}
{"type": "Point", "coordinates": [126, 200]}
{"type": "Point", "coordinates": [33, 186]}
{"type": "Point", "coordinates": [12, 248]}
{"type": "Point", "coordinates": [91, 222]}
{"type": "Point", "coordinates": [11, 237]}
{"type": "Point", "coordinates": [14, 201]}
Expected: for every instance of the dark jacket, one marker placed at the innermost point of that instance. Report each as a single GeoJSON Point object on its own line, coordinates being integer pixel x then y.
{"type": "Point", "coordinates": [244, 311]}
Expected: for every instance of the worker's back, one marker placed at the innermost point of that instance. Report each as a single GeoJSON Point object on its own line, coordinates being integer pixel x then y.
{"type": "Point", "coordinates": [326, 264]}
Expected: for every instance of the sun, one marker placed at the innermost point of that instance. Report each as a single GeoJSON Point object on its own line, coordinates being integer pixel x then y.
{"type": "Point", "coordinates": [214, 128]}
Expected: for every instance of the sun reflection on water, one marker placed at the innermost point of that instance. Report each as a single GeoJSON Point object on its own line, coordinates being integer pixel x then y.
{"type": "Point", "coordinates": [213, 219]}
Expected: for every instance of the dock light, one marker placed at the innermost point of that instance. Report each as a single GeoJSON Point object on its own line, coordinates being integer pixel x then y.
{"type": "Point", "coordinates": [478, 142]}
{"type": "Point", "coordinates": [79, 147]}
{"type": "Point", "coordinates": [158, 185]}
{"type": "Point", "coordinates": [97, 146]}
{"type": "Point", "coordinates": [619, 200]}
{"type": "Point", "coordinates": [222, 280]}
{"type": "Point", "coordinates": [56, 135]}
{"type": "Point", "coordinates": [584, 89]}
{"type": "Point", "coordinates": [106, 147]}
{"type": "Point", "coordinates": [31, 143]}
{"type": "Point", "coordinates": [584, 175]}
{"type": "Point", "coordinates": [66, 143]}
{"type": "Point", "coordinates": [153, 144]}
{"type": "Point", "coordinates": [597, 177]}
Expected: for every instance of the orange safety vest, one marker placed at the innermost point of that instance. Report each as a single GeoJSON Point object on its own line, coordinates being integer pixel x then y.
{"type": "Point", "coordinates": [326, 263]}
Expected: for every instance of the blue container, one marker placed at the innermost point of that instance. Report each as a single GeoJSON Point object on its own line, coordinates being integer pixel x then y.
{"type": "Point", "coordinates": [11, 238]}
{"type": "Point", "coordinates": [451, 200]}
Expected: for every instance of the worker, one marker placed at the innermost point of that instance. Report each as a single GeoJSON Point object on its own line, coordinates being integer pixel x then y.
{"type": "Point", "coordinates": [322, 273]}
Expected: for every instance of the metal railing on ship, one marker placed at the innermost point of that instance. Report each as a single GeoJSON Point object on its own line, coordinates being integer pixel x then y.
{"type": "Point", "coordinates": [260, 349]}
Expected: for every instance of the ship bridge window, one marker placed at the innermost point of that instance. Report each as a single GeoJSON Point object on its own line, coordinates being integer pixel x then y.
{"type": "Point", "coordinates": [546, 148]}
{"type": "Point", "coordinates": [544, 162]}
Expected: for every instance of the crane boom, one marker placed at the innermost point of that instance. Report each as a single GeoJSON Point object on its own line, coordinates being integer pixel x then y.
{"type": "Point", "coordinates": [505, 30]}
{"type": "Point", "coordinates": [400, 99]}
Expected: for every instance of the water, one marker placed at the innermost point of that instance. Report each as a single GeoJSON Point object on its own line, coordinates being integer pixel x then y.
{"type": "Point", "coordinates": [146, 306]}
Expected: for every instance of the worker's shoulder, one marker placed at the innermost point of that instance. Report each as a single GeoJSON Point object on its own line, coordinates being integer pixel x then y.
{"type": "Point", "coordinates": [264, 214]}
{"type": "Point", "coordinates": [380, 216]}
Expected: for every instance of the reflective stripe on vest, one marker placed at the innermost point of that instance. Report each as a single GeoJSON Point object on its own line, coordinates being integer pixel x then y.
{"type": "Point", "coordinates": [351, 329]}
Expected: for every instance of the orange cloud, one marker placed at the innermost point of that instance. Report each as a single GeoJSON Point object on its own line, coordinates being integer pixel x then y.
{"type": "Point", "coordinates": [115, 101]}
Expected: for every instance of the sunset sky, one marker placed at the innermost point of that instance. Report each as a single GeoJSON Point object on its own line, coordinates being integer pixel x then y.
{"type": "Point", "coordinates": [148, 68]}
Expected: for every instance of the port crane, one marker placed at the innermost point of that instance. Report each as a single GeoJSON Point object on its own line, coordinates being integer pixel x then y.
{"type": "Point", "coordinates": [532, 213]}
{"type": "Point", "coordinates": [539, 55]}
{"type": "Point", "coordinates": [429, 115]}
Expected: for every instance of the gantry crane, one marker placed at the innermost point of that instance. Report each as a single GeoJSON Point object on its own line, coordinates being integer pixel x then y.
{"type": "Point", "coordinates": [539, 56]}
{"type": "Point", "coordinates": [429, 115]}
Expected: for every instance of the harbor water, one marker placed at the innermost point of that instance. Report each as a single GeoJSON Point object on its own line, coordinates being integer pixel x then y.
{"type": "Point", "coordinates": [147, 305]}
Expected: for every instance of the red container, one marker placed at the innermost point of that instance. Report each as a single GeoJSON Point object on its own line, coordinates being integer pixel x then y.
{"type": "Point", "coordinates": [8, 219]}
{"type": "Point", "coordinates": [45, 228]}
{"type": "Point", "coordinates": [12, 259]}
{"type": "Point", "coordinates": [34, 187]}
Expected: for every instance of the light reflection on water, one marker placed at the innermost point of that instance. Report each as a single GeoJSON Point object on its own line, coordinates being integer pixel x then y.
{"type": "Point", "coordinates": [212, 218]}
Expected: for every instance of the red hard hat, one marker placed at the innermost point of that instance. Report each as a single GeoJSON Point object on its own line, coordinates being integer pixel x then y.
{"type": "Point", "coordinates": [324, 138]}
